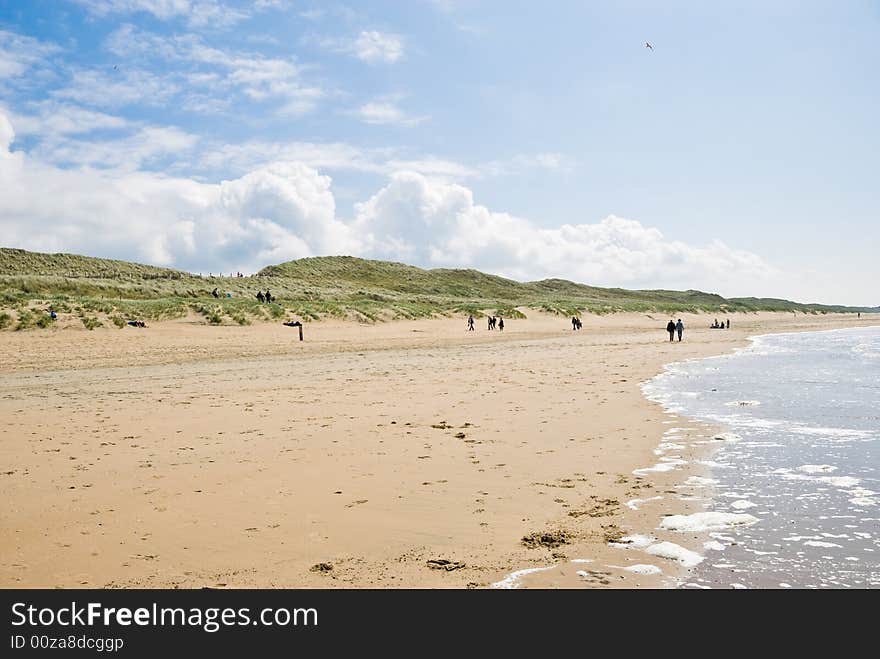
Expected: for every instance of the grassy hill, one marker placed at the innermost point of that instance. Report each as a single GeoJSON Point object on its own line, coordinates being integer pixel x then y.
{"type": "Point", "coordinates": [105, 292]}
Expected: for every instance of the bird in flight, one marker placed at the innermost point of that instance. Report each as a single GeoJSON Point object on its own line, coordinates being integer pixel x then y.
{"type": "Point", "coordinates": [648, 45]}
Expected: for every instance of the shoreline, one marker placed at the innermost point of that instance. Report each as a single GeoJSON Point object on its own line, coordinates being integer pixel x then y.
{"type": "Point", "coordinates": [196, 456]}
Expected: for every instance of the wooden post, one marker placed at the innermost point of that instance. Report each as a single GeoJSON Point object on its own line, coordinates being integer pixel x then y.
{"type": "Point", "coordinates": [300, 332]}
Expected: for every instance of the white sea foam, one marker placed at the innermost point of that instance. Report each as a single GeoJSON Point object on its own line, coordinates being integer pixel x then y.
{"type": "Point", "coordinates": [643, 568]}
{"type": "Point", "coordinates": [635, 504]}
{"type": "Point", "coordinates": [721, 536]}
{"type": "Point", "coordinates": [841, 481]}
{"type": "Point", "coordinates": [714, 545]}
{"type": "Point", "coordinates": [743, 504]}
{"type": "Point", "coordinates": [667, 465]}
{"type": "Point", "coordinates": [700, 481]}
{"type": "Point", "coordinates": [634, 541]}
{"type": "Point", "coordinates": [674, 552]}
{"type": "Point", "coordinates": [831, 432]}
{"type": "Point", "coordinates": [707, 521]}
{"type": "Point", "coordinates": [727, 437]}
{"type": "Point", "coordinates": [816, 469]}
{"type": "Point", "coordinates": [821, 543]}
{"type": "Point", "coordinates": [743, 403]}
{"type": "Point", "coordinates": [512, 580]}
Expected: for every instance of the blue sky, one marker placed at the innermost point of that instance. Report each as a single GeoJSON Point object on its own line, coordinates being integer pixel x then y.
{"type": "Point", "coordinates": [527, 139]}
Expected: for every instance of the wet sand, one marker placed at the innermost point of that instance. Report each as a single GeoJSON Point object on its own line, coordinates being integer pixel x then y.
{"type": "Point", "coordinates": [404, 454]}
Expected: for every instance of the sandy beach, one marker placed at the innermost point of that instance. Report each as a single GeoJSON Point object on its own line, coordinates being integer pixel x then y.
{"type": "Point", "coordinates": [397, 455]}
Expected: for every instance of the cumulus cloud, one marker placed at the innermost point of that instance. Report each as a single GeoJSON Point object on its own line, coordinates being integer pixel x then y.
{"type": "Point", "coordinates": [437, 223]}
{"type": "Point", "coordinates": [278, 212]}
{"type": "Point", "coordinates": [287, 210]}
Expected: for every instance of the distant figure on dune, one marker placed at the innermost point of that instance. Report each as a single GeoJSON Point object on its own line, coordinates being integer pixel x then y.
{"type": "Point", "coordinates": [260, 296]}
{"type": "Point", "coordinates": [269, 297]}
{"type": "Point", "coordinates": [670, 327]}
{"type": "Point", "coordinates": [52, 314]}
{"type": "Point", "coordinates": [470, 324]}
{"type": "Point", "coordinates": [489, 322]}
{"type": "Point", "coordinates": [728, 323]}
{"type": "Point", "coordinates": [136, 323]}
{"type": "Point", "coordinates": [679, 327]}
{"type": "Point", "coordinates": [576, 323]}
{"type": "Point", "coordinates": [215, 293]}
{"type": "Point", "coordinates": [500, 324]}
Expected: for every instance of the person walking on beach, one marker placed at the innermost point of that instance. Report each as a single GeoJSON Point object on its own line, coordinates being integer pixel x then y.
{"type": "Point", "coordinates": [679, 327]}
{"type": "Point", "coordinates": [500, 324]}
{"type": "Point", "coordinates": [670, 327]}
{"type": "Point", "coordinates": [471, 324]}
{"type": "Point", "coordinates": [728, 323]}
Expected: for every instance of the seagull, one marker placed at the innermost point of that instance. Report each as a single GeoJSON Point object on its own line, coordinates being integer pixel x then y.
{"type": "Point", "coordinates": [115, 67]}
{"type": "Point", "coordinates": [648, 45]}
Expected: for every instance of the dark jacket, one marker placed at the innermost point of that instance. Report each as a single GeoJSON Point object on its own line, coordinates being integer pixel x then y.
{"type": "Point", "coordinates": [670, 326]}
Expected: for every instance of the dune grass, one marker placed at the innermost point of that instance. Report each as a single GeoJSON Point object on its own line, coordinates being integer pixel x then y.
{"type": "Point", "coordinates": [104, 292]}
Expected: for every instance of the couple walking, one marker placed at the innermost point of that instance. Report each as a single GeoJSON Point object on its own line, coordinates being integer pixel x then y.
{"type": "Point", "coordinates": [673, 328]}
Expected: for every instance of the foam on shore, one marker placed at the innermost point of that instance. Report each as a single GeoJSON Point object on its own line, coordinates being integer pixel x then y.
{"type": "Point", "coordinates": [707, 521]}
{"type": "Point", "coordinates": [512, 580]}
{"type": "Point", "coordinates": [674, 552]}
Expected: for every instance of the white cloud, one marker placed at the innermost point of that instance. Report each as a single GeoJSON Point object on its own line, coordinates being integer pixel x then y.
{"type": "Point", "coordinates": [385, 111]}
{"type": "Point", "coordinates": [117, 88]}
{"type": "Point", "coordinates": [18, 53]}
{"type": "Point", "coordinates": [137, 150]}
{"type": "Point", "coordinates": [372, 46]}
{"type": "Point", "coordinates": [342, 156]}
{"type": "Point", "coordinates": [220, 72]}
{"type": "Point", "coordinates": [53, 119]}
{"type": "Point", "coordinates": [278, 212]}
{"type": "Point", "coordinates": [369, 46]}
{"type": "Point", "coordinates": [431, 222]}
{"type": "Point", "coordinates": [333, 156]}
{"type": "Point", "coordinates": [287, 210]}
{"type": "Point", "coordinates": [197, 13]}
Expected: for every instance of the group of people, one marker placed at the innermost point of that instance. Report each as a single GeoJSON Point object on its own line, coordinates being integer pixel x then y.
{"type": "Point", "coordinates": [265, 298]}
{"type": "Point", "coordinates": [493, 323]}
{"type": "Point", "coordinates": [576, 323]}
{"type": "Point", "coordinates": [675, 327]}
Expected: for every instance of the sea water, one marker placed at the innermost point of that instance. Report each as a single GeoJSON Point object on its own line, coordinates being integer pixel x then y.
{"type": "Point", "coordinates": [800, 453]}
